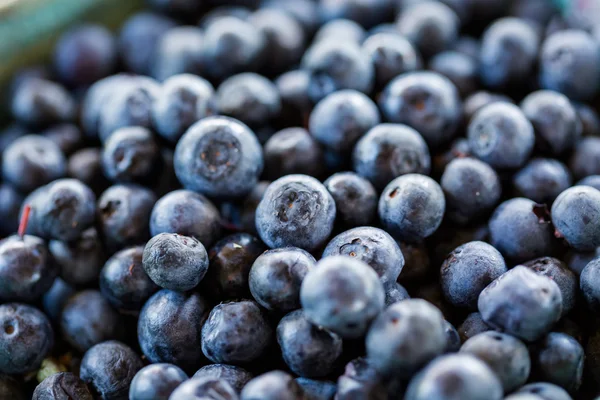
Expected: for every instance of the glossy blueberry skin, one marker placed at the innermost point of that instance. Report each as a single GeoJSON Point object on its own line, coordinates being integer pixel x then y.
{"type": "Point", "coordinates": [558, 271]}
{"type": "Point", "coordinates": [411, 207]}
{"type": "Point", "coordinates": [585, 159]}
{"type": "Point", "coordinates": [227, 33]}
{"type": "Point", "coordinates": [178, 51]}
{"type": "Point", "coordinates": [304, 11]}
{"type": "Point", "coordinates": [25, 339]}
{"type": "Point", "coordinates": [156, 381]}
{"type": "Point", "coordinates": [238, 10]}
{"type": "Point", "coordinates": [10, 204]}
{"type": "Point", "coordinates": [388, 151]}
{"type": "Point", "coordinates": [360, 380]}
{"type": "Point", "coordinates": [426, 101]}
{"type": "Point", "coordinates": [575, 215]}
{"type": "Point", "coordinates": [590, 120]}
{"type": "Point", "coordinates": [317, 389]}
{"type": "Point", "coordinates": [392, 55]}
{"type": "Point", "coordinates": [80, 261]}
{"type": "Point", "coordinates": [55, 299]}
{"type": "Point", "coordinates": [355, 199]}
{"type": "Point", "coordinates": [336, 65]}
{"type": "Point", "coordinates": [123, 213]}
{"type": "Point", "coordinates": [27, 270]}
{"type": "Point", "coordinates": [342, 118]}
{"type": "Point", "coordinates": [202, 388]}
{"type": "Point", "coordinates": [394, 292]}
{"type": "Point", "coordinates": [472, 189]}
{"type": "Point", "coordinates": [230, 261]}
{"type": "Point", "coordinates": [292, 151]}
{"type": "Point", "coordinates": [455, 376]}
{"type": "Point", "coordinates": [123, 281]}
{"type": "Point", "coordinates": [32, 161]}
{"type": "Point", "coordinates": [276, 276]}
{"type": "Point", "coordinates": [68, 137]}
{"type": "Point", "coordinates": [468, 270]}
{"type": "Point", "coordinates": [471, 326]}
{"type": "Point", "coordinates": [341, 29]}
{"type": "Point", "coordinates": [293, 91]}
{"type": "Point", "coordinates": [169, 329]}
{"type": "Point", "coordinates": [62, 385]}
{"type": "Point", "coordinates": [460, 68]}
{"type": "Point", "coordinates": [542, 180]}
{"type": "Point", "coordinates": [555, 120]}
{"type": "Point", "coordinates": [130, 154]}
{"type": "Point", "coordinates": [521, 303]}
{"type": "Point", "coordinates": [590, 275]}
{"type": "Point", "coordinates": [219, 157]}
{"type": "Point", "coordinates": [296, 210]}
{"type": "Point", "coordinates": [308, 350]}
{"type": "Point", "coordinates": [186, 213]}
{"type": "Point", "coordinates": [175, 262]}
{"type": "Point", "coordinates": [372, 246]}
{"type": "Point", "coordinates": [367, 15]}
{"type": "Point", "coordinates": [39, 103]}
{"type": "Point", "coordinates": [88, 319]}
{"type": "Point", "coordinates": [342, 295]}
{"type": "Point", "coordinates": [85, 165]}
{"type": "Point", "coordinates": [508, 53]}
{"type": "Point", "coordinates": [569, 64]}
{"type": "Point", "coordinates": [558, 359]}
{"type": "Point", "coordinates": [479, 100]}
{"type": "Point", "coordinates": [273, 385]}
{"type": "Point", "coordinates": [85, 54]}
{"type": "Point", "coordinates": [545, 390]}
{"type": "Point", "coordinates": [236, 332]}
{"type": "Point", "coordinates": [138, 39]}
{"type": "Point", "coordinates": [183, 100]}
{"type": "Point", "coordinates": [109, 367]}
{"type": "Point", "coordinates": [452, 338]}
{"type": "Point", "coordinates": [404, 337]}
{"type": "Point", "coordinates": [506, 355]}
{"type": "Point", "coordinates": [237, 377]}
{"type": "Point", "coordinates": [501, 135]}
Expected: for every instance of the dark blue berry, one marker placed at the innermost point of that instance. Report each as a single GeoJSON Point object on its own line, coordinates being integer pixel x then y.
{"type": "Point", "coordinates": [80, 260]}
{"type": "Point", "coordinates": [156, 381]}
{"type": "Point", "coordinates": [355, 199]}
{"type": "Point", "coordinates": [179, 50]}
{"type": "Point", "coordinates": [585, 159]}
{"type": "Point", "coordinates": [542, 180]}
{"type": "Point", "coordinates": [86, 166]}
{"type": "Point", "coordinates": [576, 217]}
{"type": "Point", "coordinates": [55, 299]}
{"type": "Point", "coordinates": [237, 377]}
{"type": "Point", "coordinates": [10, 204]}
{"type": "Point", "coordinates": [317, 389]}
{"type": "Point", "coordinates": [39, 103]}
{"type": "Point", "coordinates": [274, 385]}
{"type": "Point", "coordinates": [204, 388]}
{"type": "Point", "coordinates": [460, 68]}
{"type": "Point", "coordinates": [341, 29]}
{"type": "Point", "coordinates": [558, 359]}
{"type": "Point", "coordinates": [557, 270]}
{"type": "Point", "coordinates": [62, 385]}
{"type": "Point", "coordinates": [292, 151]}
{"type": "Point", "coordinates": [545, 391]}
{"type": "Point", "coordinates": [471, 326]}
{"type": "Point", "coordinates": [590, 276]}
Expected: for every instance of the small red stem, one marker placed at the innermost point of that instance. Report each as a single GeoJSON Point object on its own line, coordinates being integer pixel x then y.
{"type": "Point", "coordinates": [24, 220]}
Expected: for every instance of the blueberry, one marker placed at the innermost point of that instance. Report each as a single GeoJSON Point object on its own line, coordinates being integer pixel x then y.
{"type": "Point", "coordinates": [501, 135]}
{"type": "Point", "coordinates": [411, 207]}
{"type": "Point", "coordinates": [86, 165]}
{"type": "Point", "coordinates": [218, 156]}
{"type": "Point", "coordinates": [479, 100]}
{"type": "Point", "coordinates": [179, 51]}
{"type": "Point", "coordinates": [342, 118]}
{"type": "Point", "coordinates": [68, 137]}
{"type": "Point", "coordinates": [237, 377]}
{"type": "Point", "coordinates": [558, 358]}
{"type": "Point", "coordinates": [276, 276]}
{"type": "Point", "coordinates": [249, 205]}
{"type": "Point", "coordinates": [296, 210]}
{"type": "Point", "coordinates": [575, 214]}
{"type": "Point", "coordinates": [426, 101]}
{"type": "Point", "coordinates": [455, 376]}
{"type": "Point", "coordinates": [231, 46]}
{"type": "Point", "coordinates": [317, 389]}
{"type": "Point", "coordinates": [236, 332]}
{"type": "Point", "coordinates": [569, 63]}
{"type": "Point", "coordinates": [585, 159]}
{"type": "Point", "coordinates": [130, 155]}
{"type": "Point", "coordinates": [308, 350]}
{"type": "Point", "coordinates": [342, 295]}
{"type": "Point", "coordinates": [284, 36]}
{"type": "Point", "coordinates": [542, 180]}
{"type": "Point", "coordinates": [372, 246]}
{"type": "Point", "coordinates": [10, 203]}
{"type": "Point", "coordinates": [467, 45]}
{"type": "Point", "coordinates": [26, 338]}
{"type": "Point", "coordinates": [88, 319]}
{"type": "Point", "coordinates": [55, 299]}
{"type": "Point", "coordinates": [304, 11]}
{"type": "Point", "coordinates": [471, 326]}
{"type": "Point", "coordinates": [519, 233]}
{"type": "Point", "coordinates": [472, 189]}
{"type": "Point", "coordinates": [336, 65]}
{"type": "Point", "coordinates": [39, 103]}
{"type": "Point", "coordinates": [578, 260]}
{"type": "Point", "coordinates": [204, 388]}
{"type": "Point", "coordinates": [234, 8]}
{"type": "Point", "coordinates": [27, 270]}
{"type": "Point", "coordinates": [32, 161]}
{"type": "Point", "coordinates": [62, 385]}
{"type": "Point", "coordinates": [123, 214]}
{"type": "Point", "coordinates": [554, 119]}
{"type": "Point", "coordinates": [557, 270]}
{"type": "Point", "coordinates": [186, 213]}
{"type": "Point", "coordinates": [138, 39]}
{"type": "Point", "coordinates": [506, 355]}
{"type": "Point", "coordinates": [452, 338]}
{"type": "Point", "coordinates": [589, 284]}
{"type": "Point", "coordinates": [394, 292]}
{"type": "Point", "coordinates": [367, 15]}
{"type": "Point", "coordinates": [292, 151]}
{"type": "Point", "coordinates": [355, 198]}
{"type": "Point", "coordinates": [183, 100]}
{"type": "Point", "coordinates": [231, 259]}
{"type": "Point", "coordinates": [509, 49]}
{"type": "Point", "coordinates": [521, 303]}
{"type": "Point", "coordinates": [468, 270]}
{"type": "Point", "coordinates": [388, 151]}
{"type": "Point", "coordinates": [274, 385]}
{"type": "Point", "coordinates": [169, 329]}
{"type": "Point", "coordinates": [156, 381]}
{"type": "Point", "coordinates": [392, 55]}
{"type": "Point", "coordinates": [293, 91]}
{"type": "Point", "coordinates": [589, 118]}
{"type": "Point", "coordinates": [592, 180]}
{"type": "Point", "coordinates": [80, 260]}
{"type": "Point", "coordinates": [85, 54]}
{"type": "Point", "coordinates": [360, 380]}
{"type": "Point", "coordinates": [461, 69]}
{"type": "Point", "coordinates": [431, 26]}
{"type": "Point", "coordinates": [341, 29]}
{"type": "Point", "coordinates": [546, 391]}
{"type": "Point", "coordinates": [109, 367]}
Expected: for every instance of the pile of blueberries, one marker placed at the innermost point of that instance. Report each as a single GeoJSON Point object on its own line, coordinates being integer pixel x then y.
{"type": "Point", "coordinates": [306, 200]}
